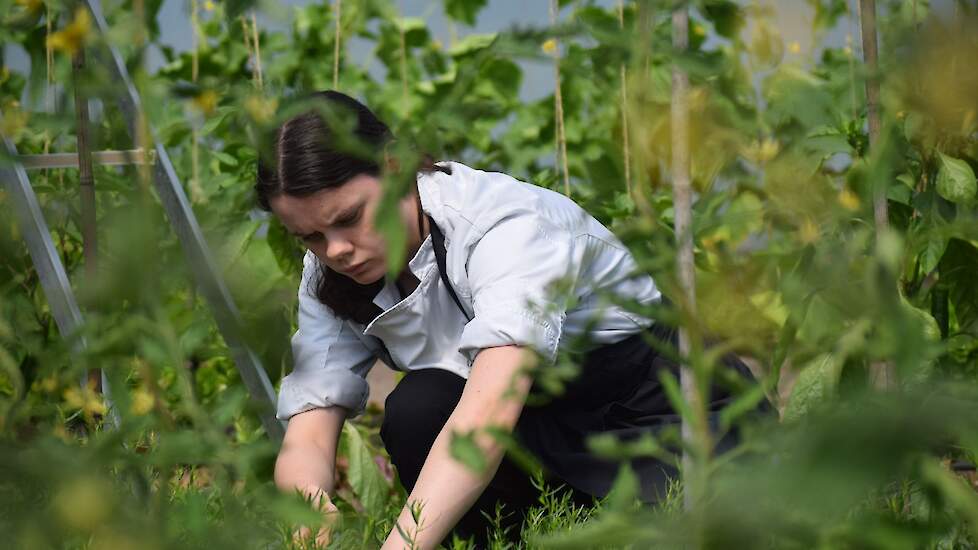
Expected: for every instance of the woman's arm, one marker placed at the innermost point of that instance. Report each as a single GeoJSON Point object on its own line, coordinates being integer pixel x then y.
{"type": "Point", "coordinates": [308, 454]}
{"type": "Point", "coordinates": [494, 395]}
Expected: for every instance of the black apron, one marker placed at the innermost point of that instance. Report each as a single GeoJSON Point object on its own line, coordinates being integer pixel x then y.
{"type": "Point", "coordinates": [617, 392]}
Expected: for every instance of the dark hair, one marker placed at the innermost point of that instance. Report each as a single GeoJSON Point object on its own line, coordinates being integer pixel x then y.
{"type": "Point", "coordinates": [312, 153]}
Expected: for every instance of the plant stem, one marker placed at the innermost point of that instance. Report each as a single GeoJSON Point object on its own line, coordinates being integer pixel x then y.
{"type": "Point", "coordinates": [682, 206]}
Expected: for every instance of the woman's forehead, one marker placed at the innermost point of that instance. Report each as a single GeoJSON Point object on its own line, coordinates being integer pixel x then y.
{"type": "Point", "coordinates": [313, 212]}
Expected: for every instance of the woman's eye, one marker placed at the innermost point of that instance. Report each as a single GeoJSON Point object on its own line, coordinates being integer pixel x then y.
{"type": "Point", "coordinates": [348, 221]}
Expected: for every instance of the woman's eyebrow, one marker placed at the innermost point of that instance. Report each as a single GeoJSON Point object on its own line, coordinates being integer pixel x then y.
{"type": "Point", "coordinates": [342, 215]}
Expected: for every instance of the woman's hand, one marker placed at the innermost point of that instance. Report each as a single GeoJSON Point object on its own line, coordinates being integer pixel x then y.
{"type": "Point", "coordinates": [305, 464]}
{"type": "Point", "coordinates": [330, 514]}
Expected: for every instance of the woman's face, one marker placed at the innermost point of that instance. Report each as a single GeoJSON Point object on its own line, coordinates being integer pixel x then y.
{"type": "Point", "coordinates": [337, 225]}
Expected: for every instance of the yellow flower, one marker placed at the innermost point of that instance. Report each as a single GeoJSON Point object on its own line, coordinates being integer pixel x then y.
{"type": "Point", "coordinates": [142, 402]}
{"type": "Point", "coordinates": [33, 6]}
{"type": "Point", "coordinates": [14, 119]}
{"type": "Point", "coordinates": [49, 384]}
{"type": "Point", "coordinates": [260, 109]}
{"type": "Point", "coordinates": [794, 47]}
{"type": "Point", "coordinates": [698, 30]}
{"type": "Point", "coordinates": [808, 232]}
{"type": "Point", "coordinates": [88, 400]}
{"type": "Point", "coordinates": [549, 47]}
{"type": "Point", "coordinates": [761, 152]}
{"type": "Point", "coordinates": [209, 5]}
{"type": "Point", "coordinates": [83, 503]}
{"type": "Point", "coordinates": [849, 200]}
{"type": "Point", "coordinates": [205, 102]}
{"type": "Point", "coordinates": [769, 149]}
{"type": "Point", "coordinates": [71, 38]}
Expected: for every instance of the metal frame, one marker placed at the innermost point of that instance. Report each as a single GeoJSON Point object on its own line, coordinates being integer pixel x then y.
{"type": "Point", "coordinates": [174, 200]}
{"type": "Point", "coordinates": [50, 271]}
{"type": "Point", "coordinates": [70, 160]}
{"type": "Point", "coordinates": [184, 223]}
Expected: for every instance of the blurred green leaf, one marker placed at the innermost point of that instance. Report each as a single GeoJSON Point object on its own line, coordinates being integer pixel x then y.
{"type": "Point", "coordinates": [465, 450]}
{"type": "Point", "coordinates": [956, 180]}
{"type": "Point", "coordinates": [368, 483]}
{"type": "Point", "coordinates": [464, 11]}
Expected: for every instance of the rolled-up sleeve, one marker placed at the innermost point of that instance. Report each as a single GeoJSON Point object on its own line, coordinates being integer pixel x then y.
{"type": "Point", "coordinates": [330, 361]}
{"type": "Point", "coordinates": [515, 272]}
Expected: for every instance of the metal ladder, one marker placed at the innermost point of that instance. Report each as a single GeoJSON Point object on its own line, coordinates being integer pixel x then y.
{"type": "Point", "coordinates": [51, 272]}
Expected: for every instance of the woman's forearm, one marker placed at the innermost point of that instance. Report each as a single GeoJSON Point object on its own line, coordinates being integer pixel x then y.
{"type": "Point", "coordinates": [307, 458]}
{"type": "Point", "coordinates": [446, 489]}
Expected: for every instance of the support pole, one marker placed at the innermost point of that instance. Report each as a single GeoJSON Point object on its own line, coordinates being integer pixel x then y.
{"type": "Point", "coordinates": [86, 190]}
{"type": "Point", "coordinates": [867, 20]}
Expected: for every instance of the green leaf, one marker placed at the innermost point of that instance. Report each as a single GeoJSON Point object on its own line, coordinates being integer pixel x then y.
{"type": "Point", "coordinates": [464, 11]}
{"type": "Point", "coordinates": [932, 252]}
{"type": "Point", "coordinates": [465, 450]}
{"type": "Point", "coordinates": [816, 383]}
{"type": "Point", "coordinates": [368, 483]}
{"type": "Point", "coordinates": [955, 491]}
{"type": "Point", "coordinates": [284, 247]}
{"type": "Point", "coordinates": [624, 490]}
{"type": "Point", "coordinates": [471, 44]}
{"type": "Point", "coordinates": [956, 180]}
{"type": "Point", "coordinates": [958, 268]}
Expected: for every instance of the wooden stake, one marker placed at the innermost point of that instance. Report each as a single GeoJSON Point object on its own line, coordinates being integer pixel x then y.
{"type": "Point", "coordinates": [559, 107]}
{"type": "Point", "coordinates": [196, 193]}
{"type": "Point", "coordinates": [624, 109]}
{"type": "Point", "coordinates": [404, 81]}
{"type": "Point", "coordinates": [257, 44]}
{"type": "Point", "coordinates": [337, 11]}
{"type": "Point", "coordinates": [852, 63]}
{"type": "Point", "coordinates": [86, 190]}
{"type": "Point", "coordinates": [867, 18]}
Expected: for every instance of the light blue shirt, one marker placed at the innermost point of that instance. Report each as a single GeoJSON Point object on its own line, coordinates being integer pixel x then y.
{"type": "Point", "coordinates": [528, 264]}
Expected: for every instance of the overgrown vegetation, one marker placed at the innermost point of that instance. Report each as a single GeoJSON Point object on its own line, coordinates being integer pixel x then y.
{"type": "Point", "coordinates": [792, 272]}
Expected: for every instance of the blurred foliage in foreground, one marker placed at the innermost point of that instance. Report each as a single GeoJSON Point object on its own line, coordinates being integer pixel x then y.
{"type": "Point", "coordinates": [791, 272]}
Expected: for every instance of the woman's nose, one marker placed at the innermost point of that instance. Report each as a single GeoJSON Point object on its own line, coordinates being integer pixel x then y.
{"type": "Point", "coordinates": [337, 249]}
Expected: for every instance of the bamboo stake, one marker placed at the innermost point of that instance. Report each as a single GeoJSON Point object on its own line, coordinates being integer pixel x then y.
{"type": "Point", "coordinates": [867, 18]}
{"type": "Point", "coordinates": [682, 206]}
{"type": "Point", "coordinates": [337, 10]}
{"type": "Point", "coordinates": [882, 373]}
{"type": "Point", "coordinates": [624, 108]}
{"type": "Point", "coordinates": [559, 107]}
{"type": "Point", "coordinates": [404, 81]}
{"type": "Point", "coordinates": [196, 192]}
{"type": "Point", "coordinates": [850, 54]}
{"type": "Point", "coordinates": [250, 33]}
{"type": "Point", "coordinates": [86, 190]}
{"type": "Point", "coordinates": [257, 44]}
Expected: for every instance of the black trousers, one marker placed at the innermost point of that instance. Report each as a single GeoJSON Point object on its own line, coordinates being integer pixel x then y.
{"type": "Point", "coordinates": [617, 391]}
{"type": "Point", "coordinates": [415, 413]}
